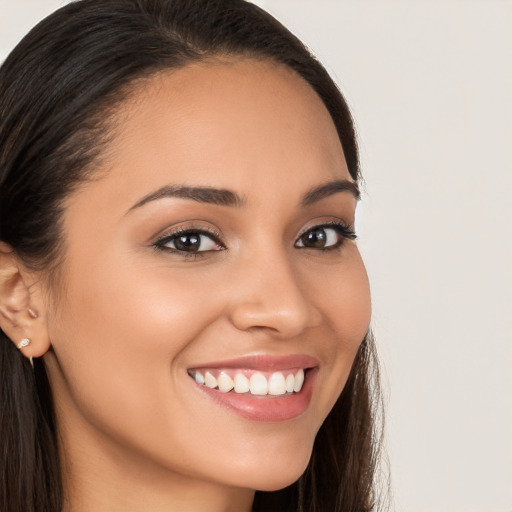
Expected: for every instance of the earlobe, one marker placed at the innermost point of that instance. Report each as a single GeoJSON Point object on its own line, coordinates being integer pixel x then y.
{"type": "Point", "coordinates": [20, 318]}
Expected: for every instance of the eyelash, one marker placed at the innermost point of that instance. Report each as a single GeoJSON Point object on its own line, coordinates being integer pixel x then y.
{"type": "Point", "coordinates": [160, 244]}
{"type": "Point", "coordinates": [344, 231]}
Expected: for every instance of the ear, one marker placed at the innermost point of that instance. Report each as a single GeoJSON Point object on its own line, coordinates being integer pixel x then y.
{"type": "Point", "coordinates": [22, 310]}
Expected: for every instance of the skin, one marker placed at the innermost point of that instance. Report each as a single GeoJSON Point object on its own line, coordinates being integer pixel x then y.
{"type": "Point", "coordinates": [129, 319]}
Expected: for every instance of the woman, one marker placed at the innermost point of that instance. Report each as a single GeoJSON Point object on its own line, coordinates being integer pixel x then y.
{"type": "Point", "coordinates": [178, 187]}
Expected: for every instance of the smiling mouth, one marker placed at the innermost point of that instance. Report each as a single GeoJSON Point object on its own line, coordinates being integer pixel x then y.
{"type": "Point", "coordinates": [261, 387]}
{"type": "Point", "coordinates": [251, 382]}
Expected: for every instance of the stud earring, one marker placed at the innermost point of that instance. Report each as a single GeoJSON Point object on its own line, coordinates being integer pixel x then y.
{"type": "Point", "coordinates": [24, 342]}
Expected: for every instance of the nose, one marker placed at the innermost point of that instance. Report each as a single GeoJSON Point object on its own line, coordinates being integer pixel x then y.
{"type": "Point", "coordinates": [271, 297]}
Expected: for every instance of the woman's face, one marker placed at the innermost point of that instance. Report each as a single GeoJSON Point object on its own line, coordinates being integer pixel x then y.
{"type": "Point", "coordinates": [214, 244]}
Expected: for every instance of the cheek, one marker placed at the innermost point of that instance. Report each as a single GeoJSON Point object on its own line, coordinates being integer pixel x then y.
{"type": "Point", "coordinates": [343, 296]}
{"type": "Point", "coordinates": [352, 301]}
{"type": "Point", "coordinates": [345, 301]}
{"type": "Point", "coordinates": [129, 313]}
{"type": "Point", "coordinates": [121, 329]}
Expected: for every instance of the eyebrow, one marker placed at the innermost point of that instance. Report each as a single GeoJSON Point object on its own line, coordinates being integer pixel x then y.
{"type": "Point", "coordinates": [224, 197]}
{"type": "Point", "coordinates": [211, 195]}
{"type": "Point", "coordinates": [330, 188]}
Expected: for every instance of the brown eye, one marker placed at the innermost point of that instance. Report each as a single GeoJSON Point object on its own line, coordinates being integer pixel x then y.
{"type": "Point", "coordinates": [189, 242]}
{"type": "Point", "coordinates": [316, 238]}
{"type": "Point", "coordinates": [325, 237]}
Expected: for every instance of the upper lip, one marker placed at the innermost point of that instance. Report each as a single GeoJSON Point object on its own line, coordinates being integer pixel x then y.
{"type": "Point", "coordinates": [264, 362]}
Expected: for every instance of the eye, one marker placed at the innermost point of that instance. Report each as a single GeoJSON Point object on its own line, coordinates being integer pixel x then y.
{"type": "Point", "coordinates": [189, 241]}
{"type": "Point", "coordinates": [327, 236]}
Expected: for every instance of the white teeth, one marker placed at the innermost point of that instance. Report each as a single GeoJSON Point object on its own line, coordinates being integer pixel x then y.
{"type": "Point", "coordinates": [210, 380]}
{"type": "Point", "coordinates": [277, 384]}
{"type": "Point", "coordinates": [290, 383]}
{"type": "Point", "coordinates": [225, 382]}
{"type": "Point", "coordinates": [241, 383]}
{"type": "Point", "coordinates": [299, 380]}
{"type": "Point", "coordinates": [258, 384]}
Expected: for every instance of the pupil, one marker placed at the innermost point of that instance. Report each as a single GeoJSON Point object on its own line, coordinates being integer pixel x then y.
{"type": "Point", "coordinates": [187, 242]}
{"type": "Point", "coordinates": [315, 238]}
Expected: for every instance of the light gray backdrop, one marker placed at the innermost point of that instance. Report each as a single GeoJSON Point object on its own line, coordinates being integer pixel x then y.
{"type": "Point", "coordinates": [430, 85]}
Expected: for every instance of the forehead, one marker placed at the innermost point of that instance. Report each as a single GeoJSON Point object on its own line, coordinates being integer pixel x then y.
{"type": "Point", "coordinates": [248, 125]}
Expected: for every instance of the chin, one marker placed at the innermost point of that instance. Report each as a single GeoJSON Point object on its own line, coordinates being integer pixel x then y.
{"type": "Point", "coordinates": [276, 474]}
{"type": "Point", "coordinates": [275, 482]}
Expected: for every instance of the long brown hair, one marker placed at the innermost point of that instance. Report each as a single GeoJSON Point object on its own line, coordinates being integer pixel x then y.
{"type": "Point", "coordinates": [58, 90]}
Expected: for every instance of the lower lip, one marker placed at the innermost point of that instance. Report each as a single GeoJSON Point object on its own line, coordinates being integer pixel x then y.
{"type": "Point", "coordinates": [265, 408]}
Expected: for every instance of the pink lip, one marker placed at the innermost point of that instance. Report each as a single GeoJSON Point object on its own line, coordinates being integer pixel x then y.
{"type": "Point", "coordinates": [264, 363]}
{"type": "Point", "coordinates": [265, 408]}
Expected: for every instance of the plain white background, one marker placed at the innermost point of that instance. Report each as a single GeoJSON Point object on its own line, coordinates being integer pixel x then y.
{"type": "Point", "coordinates": [429, 82]}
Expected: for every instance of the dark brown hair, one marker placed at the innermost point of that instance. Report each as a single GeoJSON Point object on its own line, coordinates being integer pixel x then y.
{"type": "Point", "coordinates": [59, 89]}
